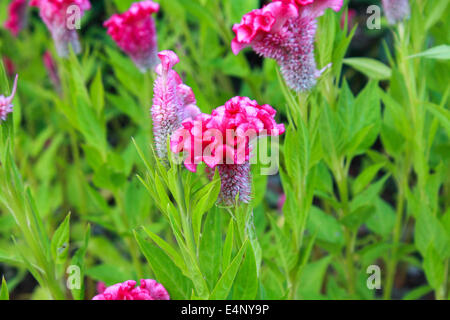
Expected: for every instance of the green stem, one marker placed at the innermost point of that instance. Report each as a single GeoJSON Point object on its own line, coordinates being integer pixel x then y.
{"type": "Point", "coordinates": [392, 264]}
{"type": "Point", "coordinates": [132, 246]}
{"type": "Point", "coordinates": [341, 174]}
{"type": "Point", "coordinates": [442, 292]}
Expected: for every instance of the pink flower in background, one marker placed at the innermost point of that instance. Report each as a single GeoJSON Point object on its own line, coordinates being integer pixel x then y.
{"type": "Point", "coordinates": [281, 202]}
{"type": "Point", "coordinates": [52, 70]}
{"type": "Point", "coordinates": [148, 290]}
{"type": "Point", "coordinates": [55, 15]}
{"type": "Point", "coordinates": [6, 106]}
{"type": "Point", "coordinates": [135, 33]}
{"type": "Point", "coordinates": [223, 140]}
{"type": "Point", "coordinates": [173, 102]}
{"type": "Point", "coordinates": [17, 17]}
{"type": "Point", "coordinates": [396, 10]}
{"type": "Point", "coordinates": [284, 30]}
{"type": "Point", "coordinates": [9, 66]}
{"type": "Point", "coordinates": [351, 14]}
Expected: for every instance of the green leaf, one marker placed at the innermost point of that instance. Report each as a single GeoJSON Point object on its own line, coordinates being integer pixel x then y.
{"type": "Point", "coordinates": [78, 259]}
{"type": "Point", "coordinates": [368, 196]}
{"type": "Point", "coordinates": [246, 283]}
{"type": "Point", "coordinates": [178, 286]}
{"type": "Point", "coordinates": [383, 220]}
{"type": "Point", "coordinates": [98, 92]}
{"type": "Point", "coordinates": [236, 9]}
{"type": "Point", "coordinates": [310, 282]}
{"type": "Point", "coordinates": [434, 267]}
{"type": "Point", "coordinates": [203, 200]}
{"type": "Point", "coordinates": [356, 218]}
{"type": "Point", "coordinates": [365, 177]}
{"type": "Point", "coordinates": [371, 68]}
{"type": "Point", "coordinates": [418, 292]}
{"type": "Point", "coordinates": [123, 5]}
{"type": "Point", "coordinates": [107, 273]}
{"type": "Point", "coordinates": [327, 227]}
{"type": "Point", "coordinates": [441, 52]}
{"type": "Point", "coordinates": [210, 253]}
{"type": "Point", "coordinates": [4, 293]}
{"type": "Point", "coordinates": [60, 241]}
{"type": "Point", "coordinates": [443, 115]}
{"type": "Point", "coordinates": [429, 230]}
{"type": "Point", "coordinates": [168, 249]}
{"type": "Point", "coordinates": [228, 246]}
{"type": "Point", "coordinates": [223, 286]}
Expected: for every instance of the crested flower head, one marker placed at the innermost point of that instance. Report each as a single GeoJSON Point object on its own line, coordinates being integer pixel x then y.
{"type": "Point", "coordinates": [148, 290]}
{"type": "Point", "coordinates": [134, 32]}
{"type": "Point", "coordinates": [6, 106]}
{"type": "Point", "coordinates": [55, 14]}
{"type": "Point", "coordinates": [284, 30]}
{"type": "Point", "coordinates": [17, 16]}
{"type": "Point", "coordinates": [173, 101]}
{"type": "Point", "coordinates": [223, 140]}
{"type": "Point", "coordinates": [396, 10]}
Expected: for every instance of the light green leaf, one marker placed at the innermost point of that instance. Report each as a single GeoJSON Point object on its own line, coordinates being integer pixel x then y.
{"type": "Point", "coordinates": [365, 177]}
{"type": "Point", "coordinates": [210, 253]}
{"type": "Point", "coordinates": [203, 200]}
{"type": "Point", "coordinates": [178, 286]}
{"type": "Point", "coordinates": [246, 283]}
{"type": "Point", "coordinates": [441, 52]}
{"type": "Point", "coordinates": [60, 241]}
{"type": "Point", "coordinates": [312, 277]}
{"type": "Point", "coordinates": [417, 293]}
{"type": "Point", "coordinates": [434, 267]}
{"type": "Point", "coordinates": [228, 246]}
{"type": "Point", "coordinates": [98, 92]}
{"type": "Point", "coordinates": [223, 286]}
{"type": "Point", "coordinates": [4, 293]}
{"type": "Point", "coordinates": [371, 68]}
{"type": "Point", "coordinates": [168, 249]}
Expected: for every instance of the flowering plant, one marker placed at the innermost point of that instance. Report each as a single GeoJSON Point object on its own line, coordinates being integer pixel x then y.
{"type": "Point", "coordinates": [224, 150]}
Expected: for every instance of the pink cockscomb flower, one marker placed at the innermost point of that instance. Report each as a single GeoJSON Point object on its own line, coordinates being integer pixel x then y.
{"type": "Point", "coordinates": [52, 70]}
{"type": "Point", "coordinates": [17, 17]}
{"type": "Point", "coordinates": [135, 33]}
{"type": "Point", "coordinates": [6, 106]}
{"type": "Point", "coordinates": [148, 290]}
{"type": "Point", "coordinates": [223, 140]}
{"type": "Point", "coordinates": [396, 10]}
{"type": "Point", "coordinates": [284, 30]}
{"type": "Point", "coordinates": [173, 102]}
{"type": "Point", "coordinates": [60, 18]}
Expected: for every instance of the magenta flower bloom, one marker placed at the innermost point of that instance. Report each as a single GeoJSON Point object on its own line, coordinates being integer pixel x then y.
{"type": "Point", "coordinates": [135, 33]}
{"type": "Point", "coordinates": [173, 102]}
{"type": "Point", "coordinates": [56, 15]}
{"type": "Point", "coordinates": [223, 140]}
{"type": "Point", "coordinates": [17, 16]}
{"type": "Point", "coordinates": [5, 102]}
{"type": "Point", "coordinates": [148, 290]}
{"type": "Point", "coordinates": [284, 30]}
{"type": "Point", "coordinates": [396, 10]}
